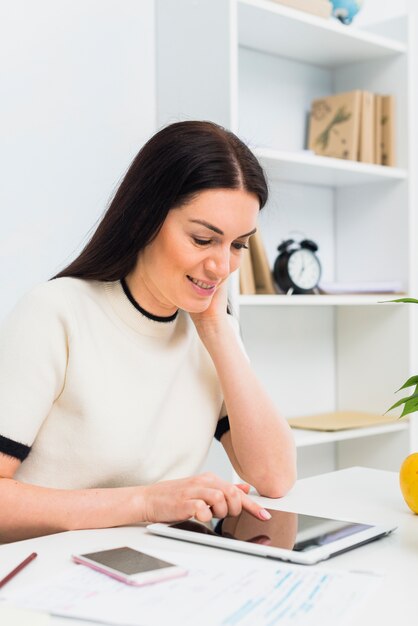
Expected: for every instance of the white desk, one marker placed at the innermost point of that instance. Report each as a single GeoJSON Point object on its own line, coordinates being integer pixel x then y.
{"type": "Point", "coordinates": [356, 494]}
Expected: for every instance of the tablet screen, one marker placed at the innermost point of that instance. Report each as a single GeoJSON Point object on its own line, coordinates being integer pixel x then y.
{"type": "Point", "coordinates": [292, 531]}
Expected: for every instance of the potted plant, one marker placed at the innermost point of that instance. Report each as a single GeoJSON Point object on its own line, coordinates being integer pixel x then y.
{"type": "Point", "coordinates": [408, 474]}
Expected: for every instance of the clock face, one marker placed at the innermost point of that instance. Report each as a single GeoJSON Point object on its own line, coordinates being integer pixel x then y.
{"type": "Point", "coordinates": [304, 269]}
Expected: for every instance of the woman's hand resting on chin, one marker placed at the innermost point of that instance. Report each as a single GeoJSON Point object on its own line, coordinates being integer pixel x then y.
{"type": "Point", "coordinates": [216, 312]}
{"type": "Point", "coordinates": [202, 497]}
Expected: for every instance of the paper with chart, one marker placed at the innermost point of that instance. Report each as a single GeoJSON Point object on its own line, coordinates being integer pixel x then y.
{"type": "Point", "coordinates": [219, 592]}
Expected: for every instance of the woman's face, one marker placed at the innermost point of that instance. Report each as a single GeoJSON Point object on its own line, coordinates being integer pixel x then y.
{"type": "Point", "coordinates": [198, 246]}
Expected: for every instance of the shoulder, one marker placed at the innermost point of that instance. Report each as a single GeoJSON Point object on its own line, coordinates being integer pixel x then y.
{"type": "Point", "coordinates": [59, 291]}
{"type": "Point", "coordinates": [51, 301]}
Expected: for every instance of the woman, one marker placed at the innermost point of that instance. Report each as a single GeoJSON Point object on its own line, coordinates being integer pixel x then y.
{"type": "Point", "coordinates": [115, 375]}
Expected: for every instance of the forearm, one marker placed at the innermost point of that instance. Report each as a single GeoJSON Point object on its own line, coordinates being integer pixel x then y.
{"type": "Point", "coordinates": [30, 511]}
{"type": "Point", "coordinates": [262, 440]}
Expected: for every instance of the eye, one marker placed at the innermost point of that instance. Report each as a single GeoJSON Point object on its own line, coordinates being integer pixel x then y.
{"type": "Point", "coordinates": [239, 246]}
{"type": "Point", "coordinates": [201, 242]}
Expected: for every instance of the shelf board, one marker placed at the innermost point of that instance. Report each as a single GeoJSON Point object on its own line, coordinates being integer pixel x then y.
{"type": "Point", "coordinates": [307, 168]}
{"type": "Point", "coordinates": [277, 29]}
{"type": "Point", "coordinates": [304, 438]}
{"type": "Point", "coordinates": [318, 300]}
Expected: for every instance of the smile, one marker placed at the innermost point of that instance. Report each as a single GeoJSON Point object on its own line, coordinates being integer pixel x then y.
{"type": "Point", "coordinates": [201, 284]}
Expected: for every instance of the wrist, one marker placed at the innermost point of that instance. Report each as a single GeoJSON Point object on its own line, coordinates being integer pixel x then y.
{"type": "Point", "coordinates": [138, 504]}
{"type": "Point", "coordinates": [221, 343]}
{"type": "Point", "coordinates": [212, 329]}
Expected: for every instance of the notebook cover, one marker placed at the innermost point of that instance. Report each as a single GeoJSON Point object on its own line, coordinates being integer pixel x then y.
{"type": "Point", "coordinates": [340, 420]}
{"type": "Point", "coordinates": [334, 128]}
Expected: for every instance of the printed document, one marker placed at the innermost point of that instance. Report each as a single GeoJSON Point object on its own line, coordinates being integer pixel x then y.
{"type": "Point", "coordinates": [215, 592]}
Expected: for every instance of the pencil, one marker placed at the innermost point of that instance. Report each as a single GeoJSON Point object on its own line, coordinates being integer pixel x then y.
{"type": "Point", "coordinates": [17, 569]}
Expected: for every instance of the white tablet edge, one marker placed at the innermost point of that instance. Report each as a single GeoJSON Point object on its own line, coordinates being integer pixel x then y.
{"type": "Point", "coordinates": [315, 555]}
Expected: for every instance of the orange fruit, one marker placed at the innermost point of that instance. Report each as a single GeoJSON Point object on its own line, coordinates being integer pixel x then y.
{"type": "Point", "coordinates": [408, 478]}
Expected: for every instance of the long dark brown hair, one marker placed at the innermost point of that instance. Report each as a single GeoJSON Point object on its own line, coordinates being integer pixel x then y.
{"type": "Point", "coordinates": [178, 162]}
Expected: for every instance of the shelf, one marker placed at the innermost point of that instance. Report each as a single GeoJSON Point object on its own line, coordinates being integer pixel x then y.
{"type": "Point", "coordinates": [304, 438]}
{"type": "Point", "coordinates": [279, 30]}
{"type": "Point", "coordinates": [318, 300]}
{"type": "Point", "coordinates": [310, 169]}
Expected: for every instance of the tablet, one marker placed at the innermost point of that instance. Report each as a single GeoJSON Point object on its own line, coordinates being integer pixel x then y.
{"type": "Point", "coordinates": [287, 536]}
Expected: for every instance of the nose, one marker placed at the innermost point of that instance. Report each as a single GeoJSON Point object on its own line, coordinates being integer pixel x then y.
{"type": "Point", "coordinates": [218, 263]}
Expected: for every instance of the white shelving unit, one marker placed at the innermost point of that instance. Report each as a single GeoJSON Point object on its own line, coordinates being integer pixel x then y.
{"type": "Point", "coordinates": [306, 438]}
{"type": "Point", "coordinates": [306, 168]}
{"type": "Point", "coordinates": [317, 300]}
{"type": "Point", "coordinates": [285, 32]}
{"type": "Point", "coordinates": [254, 67]}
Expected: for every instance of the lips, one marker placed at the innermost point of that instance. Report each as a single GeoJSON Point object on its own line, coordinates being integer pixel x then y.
{"type": "Point", "coordinates": [202, 284]}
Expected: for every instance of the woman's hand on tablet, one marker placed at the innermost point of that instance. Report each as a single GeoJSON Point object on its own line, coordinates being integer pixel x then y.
{"type": "Point", "coordinates": [202, 497]}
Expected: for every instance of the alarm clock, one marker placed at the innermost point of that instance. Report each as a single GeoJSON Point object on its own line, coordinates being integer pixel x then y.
{"type": "Point", "coordinates": [297, 268]}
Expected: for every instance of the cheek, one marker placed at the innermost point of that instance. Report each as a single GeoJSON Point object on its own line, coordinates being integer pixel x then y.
{"type": "Point", "coordinates": [175, 257]}
{"type": "Point", "coordinates": [236, 260]}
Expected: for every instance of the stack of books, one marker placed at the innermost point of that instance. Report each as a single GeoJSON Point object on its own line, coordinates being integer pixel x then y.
{"type": "Point", "coordinates": [255, 275]}
{"type": "Point", "coordinates": [356, 125]}
{"type": "Point", "coordinates": [322, 8]}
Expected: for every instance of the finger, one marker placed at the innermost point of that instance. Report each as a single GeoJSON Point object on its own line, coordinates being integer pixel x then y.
{"type": "Point", "coordinates": [254, 509]}
{"type": "Point", "coordinates": [223, 497]}
{"type": "Point", "coordinates": [201, 511]}
{"type": "Point", "coordinates": [245, 487]}
{"type": "Point", "coordinates": [233, 496]}
{"type": "Point", "coordinates": [229, 499]}
{"type": "Point", "coordinates": [216, 500]}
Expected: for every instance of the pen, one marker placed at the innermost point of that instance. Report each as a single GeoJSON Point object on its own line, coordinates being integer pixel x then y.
{"type": "Point", "coordinates": [17, 569]}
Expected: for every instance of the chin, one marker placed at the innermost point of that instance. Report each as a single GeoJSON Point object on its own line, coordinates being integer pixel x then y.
{"type": "Point", "coordinates": [196, 307]}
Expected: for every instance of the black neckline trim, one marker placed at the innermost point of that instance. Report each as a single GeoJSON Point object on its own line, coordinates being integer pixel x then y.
{"type": "Point", "coordinates": [150, 316]}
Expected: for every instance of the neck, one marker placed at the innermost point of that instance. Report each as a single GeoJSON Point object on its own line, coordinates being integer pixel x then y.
{"type": "Point", "coordinates": [141, 296]}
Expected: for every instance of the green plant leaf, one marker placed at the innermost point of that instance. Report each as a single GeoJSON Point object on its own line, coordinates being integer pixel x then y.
{"type": "Point", "coordinates": [411, 402]}
{"type": "Point", "coordinates": [410, 383]}
{"type": "Point", "coordinates": [401, 300]}
{"type": "Point", "coordinates": [411, 405]}
{"type": "Point", "coordinates": [404, 401]}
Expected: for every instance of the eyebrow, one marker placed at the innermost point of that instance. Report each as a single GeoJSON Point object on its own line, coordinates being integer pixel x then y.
{"type": "Point", "coordinates": [218, 230]}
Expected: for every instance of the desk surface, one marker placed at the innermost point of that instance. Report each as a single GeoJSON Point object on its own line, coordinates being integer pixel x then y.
{"type": "Point", "coordinates": [356, 494]}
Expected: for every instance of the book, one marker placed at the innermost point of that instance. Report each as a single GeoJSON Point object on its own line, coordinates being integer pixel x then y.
{"type": "Point", "coordinates": [321, 8]}
{"type": "Point", "coordinates": [367, 132]}
{"type": "Point", "coordinates": [384, 286]}
{"type": "Point", "coordinates": [263, 278]}
{"type": "Point", "coordinates": [335, 125]}
{"type": "Point", "coordinates": [246, 275]}
{"type": "Point", "coordinates": [378, 129]}
{"type": "Point", "coordinates": [340, 420]}
{"type": "Point", "coordinates": [388, 130]}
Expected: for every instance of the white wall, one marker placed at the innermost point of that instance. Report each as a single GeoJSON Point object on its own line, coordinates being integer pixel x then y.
{"type": "Point", "coordinates": [77, 100]}
{"type": "Point", "coordinates": [378, 10]}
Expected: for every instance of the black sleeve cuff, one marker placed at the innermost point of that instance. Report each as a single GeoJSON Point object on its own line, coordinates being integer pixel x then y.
{"type": "Point", "coordinates": [222, 427]}
{"type": "Point", "coordinates": [14, 448]}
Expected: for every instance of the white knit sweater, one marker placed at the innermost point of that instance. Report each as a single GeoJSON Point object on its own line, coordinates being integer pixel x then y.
{"type": "Point", "coordinates": [103, 395]}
